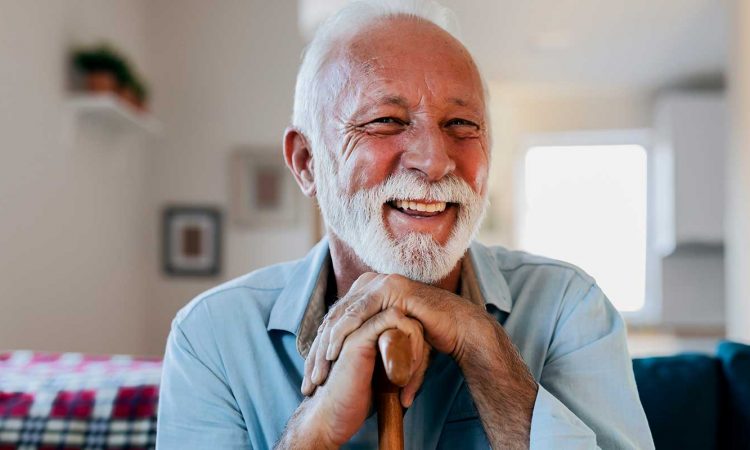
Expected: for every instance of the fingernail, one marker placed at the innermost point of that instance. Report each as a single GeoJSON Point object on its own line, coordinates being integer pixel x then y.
{"type": "Point", "coordinates": [330, 353]}
{"type": "Point", "coordinates": [315, 375]}
{"type": "Point", "coordinates": [305, 386]}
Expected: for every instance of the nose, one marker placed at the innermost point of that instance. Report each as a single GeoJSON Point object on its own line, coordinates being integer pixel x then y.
{"type": "Point", "coordinates": [429, 154]}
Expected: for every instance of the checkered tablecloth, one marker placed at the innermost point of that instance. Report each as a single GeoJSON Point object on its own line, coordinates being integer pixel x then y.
{"type": "Point", "coordinates": [74, 401]}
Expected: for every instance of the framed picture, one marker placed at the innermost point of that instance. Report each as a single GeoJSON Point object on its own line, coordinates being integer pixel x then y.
{"type": "Point", "coordinates": [191, 240]}
{"type": "Point", "coordinates": [264, 192]}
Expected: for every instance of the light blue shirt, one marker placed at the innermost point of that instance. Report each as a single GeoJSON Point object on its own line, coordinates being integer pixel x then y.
{"type": "Point", "coordinates": [232, 369]}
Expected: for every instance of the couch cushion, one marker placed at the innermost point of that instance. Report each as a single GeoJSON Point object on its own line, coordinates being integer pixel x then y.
{"type": "Point", "coordinates": [735, 361]}
{"type": "Point", "coordinates": [680, 395]}
{"type": "Point", "coordinates": [74, 401]}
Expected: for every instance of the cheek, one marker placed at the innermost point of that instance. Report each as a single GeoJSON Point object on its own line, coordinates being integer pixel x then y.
{"type": "Point", "coordinates": [370, 162]}
{"type": "Point", "coordinates": [473, 166]}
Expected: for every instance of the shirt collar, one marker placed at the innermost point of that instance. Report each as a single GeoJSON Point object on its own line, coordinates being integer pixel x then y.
{"type": "Point", "coordinates": [300, 307]}
{"type": "Point", "coordinates": [289, 307]}
{"type": "Point", "coordinates": [491, 281]}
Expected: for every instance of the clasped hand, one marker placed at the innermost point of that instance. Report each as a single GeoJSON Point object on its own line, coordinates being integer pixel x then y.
{"type": "Point", "coordinates": [342, 357]}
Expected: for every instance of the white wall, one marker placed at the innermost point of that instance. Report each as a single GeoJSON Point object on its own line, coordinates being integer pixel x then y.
{"type": "Point", "coordinates": [225, 78]}
{"type": "Point", "coordinates": [72, 275]}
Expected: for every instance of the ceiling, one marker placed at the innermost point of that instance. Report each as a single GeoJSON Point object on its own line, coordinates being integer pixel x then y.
{"type": "Point", "coordinates": [643, 44]}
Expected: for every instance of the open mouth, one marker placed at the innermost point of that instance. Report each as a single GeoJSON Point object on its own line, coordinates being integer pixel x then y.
{"type": "Point", "coordinates": [420, 208]}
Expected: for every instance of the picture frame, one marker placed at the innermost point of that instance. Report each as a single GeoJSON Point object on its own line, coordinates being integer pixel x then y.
{"type": "Point", "coordinates": [264, 192]}
{"type": "Point", "coordinates": [192, 240]}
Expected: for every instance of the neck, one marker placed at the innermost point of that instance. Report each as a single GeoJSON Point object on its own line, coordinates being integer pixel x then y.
{"type": "Point", "coordinates": [347, 267]}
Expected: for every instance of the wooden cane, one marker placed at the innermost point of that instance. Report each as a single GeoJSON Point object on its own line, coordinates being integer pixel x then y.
{"type": "Point", "coordinates": [392, 370]}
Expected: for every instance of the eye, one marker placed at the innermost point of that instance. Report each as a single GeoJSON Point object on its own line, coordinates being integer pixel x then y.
{"type": "Point", "coordinates": [462, 128]}
{"type": "Point", "coordinates": [461, 122]}
{"type": "Point", "coordinates": [388, 120]}
{"type": "Point", "coordinates": [387, 125]}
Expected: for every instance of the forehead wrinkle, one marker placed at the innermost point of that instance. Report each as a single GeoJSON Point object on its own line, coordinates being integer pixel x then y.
{"type": "Point", "coordinates": [379, 98]}
{"type": "Point", "coordinates": [469, 104]}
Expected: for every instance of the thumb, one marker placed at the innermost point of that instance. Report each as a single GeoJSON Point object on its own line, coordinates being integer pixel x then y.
{"type": "Point", "coordinates": [410, 390]}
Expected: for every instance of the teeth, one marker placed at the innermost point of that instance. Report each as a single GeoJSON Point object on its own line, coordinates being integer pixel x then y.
{"type": "Point", "coordinates": [418, 206]}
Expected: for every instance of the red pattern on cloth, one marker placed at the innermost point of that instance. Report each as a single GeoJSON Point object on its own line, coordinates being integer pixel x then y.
{"type": "Point", "coordinates": [15, 404]}
{"type": "Point", "coordinates": [71, 401]}
{"type": "Point", "coordinates": [78, 404]}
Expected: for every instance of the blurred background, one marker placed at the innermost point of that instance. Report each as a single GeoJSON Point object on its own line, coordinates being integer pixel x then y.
{"type": "Point", "coordinates": [140, 157]}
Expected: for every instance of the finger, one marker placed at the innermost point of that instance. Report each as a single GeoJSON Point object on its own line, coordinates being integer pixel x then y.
{"type": "Point", "coordinates": [410, 390]}
{"type": "Point", "coordinates": [319, 366]}
{"type": "Point", "coordinates": [341, 306]}
{"type": "Point", "coordinates": [322, 365]}
{"type": "Point", "coordinates": [417, 345]}
{"type": "Point", "coordinates": [363, 279]}
{"type": "Point", "coordinates": [307, 387]}
{"type": "Point", "coordinates": [368, 334]}
{"type": "Point", "coordinates": [356, 314]}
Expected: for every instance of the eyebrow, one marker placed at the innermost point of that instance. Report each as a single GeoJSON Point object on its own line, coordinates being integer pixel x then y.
{"type": "Point", "coordinates": [397, 100]}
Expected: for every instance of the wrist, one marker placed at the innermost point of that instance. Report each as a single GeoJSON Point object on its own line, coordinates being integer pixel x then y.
{"type": "Point", "coordinates": [316, 427]}
{"type": "Point", "coordinates": [306, 429]}
{"type": "Point", "coordinates": [477, 339]}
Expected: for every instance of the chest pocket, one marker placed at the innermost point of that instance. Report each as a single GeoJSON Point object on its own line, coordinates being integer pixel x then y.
{"type": "Point", "coordinates": [463, 428]}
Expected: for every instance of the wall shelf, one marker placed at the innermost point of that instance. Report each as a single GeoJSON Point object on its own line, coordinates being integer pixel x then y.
{"type": "Point", "coordinates": [112, 111]}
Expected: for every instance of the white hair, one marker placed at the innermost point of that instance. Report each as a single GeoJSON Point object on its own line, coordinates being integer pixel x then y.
{"type": "Point", "coordinates": [346, 23]}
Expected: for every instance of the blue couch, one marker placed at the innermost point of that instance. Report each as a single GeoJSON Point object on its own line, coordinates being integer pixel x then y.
{"type": "Point", "coordinates": [697, 401]}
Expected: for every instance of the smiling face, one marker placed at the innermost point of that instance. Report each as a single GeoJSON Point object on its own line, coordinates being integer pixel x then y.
{"type": "Point", "coordinates": [403, 175]}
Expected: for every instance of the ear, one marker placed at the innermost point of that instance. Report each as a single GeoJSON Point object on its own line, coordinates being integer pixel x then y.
{"type": "Point", "coordinates": [299, 158]}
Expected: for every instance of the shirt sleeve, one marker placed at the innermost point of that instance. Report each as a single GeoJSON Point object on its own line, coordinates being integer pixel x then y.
{"type": "Point", "coordinates": [587, 395]}
{"type": "Point", "coordinates": [196, 407]}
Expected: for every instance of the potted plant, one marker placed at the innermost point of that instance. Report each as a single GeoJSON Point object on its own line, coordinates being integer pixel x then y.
{"type": "Point", "coordinates": [102, 67]}
{"type": "Point", "coordinates": [134, 91]}
{"type": "Point", "coordinates": [141, 93]}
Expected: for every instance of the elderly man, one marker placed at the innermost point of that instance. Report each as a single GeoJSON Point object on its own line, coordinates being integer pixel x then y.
{"type": "Point", "coordinates": [390, 134]}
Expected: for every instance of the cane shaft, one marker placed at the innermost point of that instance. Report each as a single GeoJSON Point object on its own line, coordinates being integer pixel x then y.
{"type": "Point", "coordinates": [393, 363]}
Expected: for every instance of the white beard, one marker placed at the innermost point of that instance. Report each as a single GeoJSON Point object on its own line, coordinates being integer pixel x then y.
{"type": "Point", "coordinates": [358, 221]}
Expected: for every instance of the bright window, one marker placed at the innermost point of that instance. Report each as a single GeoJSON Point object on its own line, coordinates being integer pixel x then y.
{"type": "Point", "coordinates": [587, 205]}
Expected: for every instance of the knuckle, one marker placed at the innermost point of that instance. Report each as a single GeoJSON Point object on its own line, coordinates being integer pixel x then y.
{"type": "Point", "coordinates": [395, 314]}
{"type": "Point", "coordinates": [356, 308]}
{"type": "Point", "coordinates": [394, 278]}
{"type": "Point", "coordinates": [337, 308]}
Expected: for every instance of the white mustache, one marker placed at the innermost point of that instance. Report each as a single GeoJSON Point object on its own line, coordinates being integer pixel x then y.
{"type": "Point", "coordinates": [407, 185]}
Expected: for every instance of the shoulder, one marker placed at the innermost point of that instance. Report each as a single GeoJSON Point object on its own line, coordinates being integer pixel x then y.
{"type": "Point", "coordinates": [536, 285]}
{"type": "Point", "coordinates": [518, 265]}
{"type": "Point", "coordinates": [564, 303]}
{"type": "Point", "coordinates": [253, 293]}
